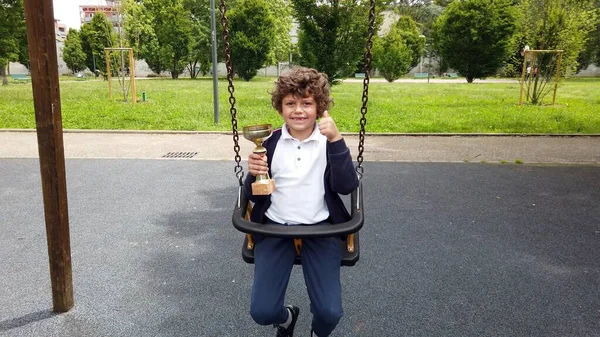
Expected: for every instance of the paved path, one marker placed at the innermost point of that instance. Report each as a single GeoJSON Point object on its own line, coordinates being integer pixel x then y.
{"type": "Point", "coordinates": [412, 148]}
{"type": "Point", "coordinates": [448, 249]}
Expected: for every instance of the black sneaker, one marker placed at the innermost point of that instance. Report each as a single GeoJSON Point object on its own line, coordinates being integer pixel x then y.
{"type": "Point", "coordinates": [289, 332]}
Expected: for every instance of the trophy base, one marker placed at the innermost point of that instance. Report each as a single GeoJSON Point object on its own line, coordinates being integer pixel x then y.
{"type": "Point", "coordinates": [264, 187]}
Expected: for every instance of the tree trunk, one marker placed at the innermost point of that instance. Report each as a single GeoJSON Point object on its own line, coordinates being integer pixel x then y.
{"type": "Point", "coordinates": [3, 74]}
{"type": "Point", "coordinates": [470, 79]}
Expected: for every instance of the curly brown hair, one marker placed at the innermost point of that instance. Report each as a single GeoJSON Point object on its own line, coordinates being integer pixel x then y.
{"type": "Point", "coordinates": [302, 82]}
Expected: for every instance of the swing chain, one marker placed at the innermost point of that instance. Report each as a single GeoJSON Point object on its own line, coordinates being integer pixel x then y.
{"type": "Point", "coordinates": [239, 171]}
{"type": "Point", "coordinates": [365, 95]}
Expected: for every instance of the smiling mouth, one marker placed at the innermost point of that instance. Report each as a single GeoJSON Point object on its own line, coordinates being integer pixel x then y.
{"type": "Point", "coordinates": [299, 118]}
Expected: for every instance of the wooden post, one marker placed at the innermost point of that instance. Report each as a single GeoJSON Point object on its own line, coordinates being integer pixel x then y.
{"type": "Point", "coordinates": [46, 99]}
{"type": "Point", "coordinates": [132, 76]}
{"type": "Point", "coordinates": [106, 55]}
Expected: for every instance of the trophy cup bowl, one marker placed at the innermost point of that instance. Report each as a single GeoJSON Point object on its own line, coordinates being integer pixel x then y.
{"type": "Point", "coordinates": [263, 185]}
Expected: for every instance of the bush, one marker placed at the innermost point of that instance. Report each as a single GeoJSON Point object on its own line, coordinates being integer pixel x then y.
{"type": "Point", "coordinates": [476, 36]}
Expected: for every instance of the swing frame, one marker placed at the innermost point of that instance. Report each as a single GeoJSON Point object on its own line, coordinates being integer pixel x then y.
{"type": "Point", "coordinates": [347, 230]}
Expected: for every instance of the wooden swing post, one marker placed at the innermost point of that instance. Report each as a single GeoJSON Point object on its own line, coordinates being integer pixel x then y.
{"type": "Point", "coordinates": [43, 58]}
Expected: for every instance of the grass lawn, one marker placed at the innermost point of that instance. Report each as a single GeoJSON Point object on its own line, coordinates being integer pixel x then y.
{"type": "Point", "coordinates": [393, 107]}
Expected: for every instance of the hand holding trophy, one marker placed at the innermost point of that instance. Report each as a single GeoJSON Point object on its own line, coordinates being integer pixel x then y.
{"type": "Point", "coordinates": [263, 185]}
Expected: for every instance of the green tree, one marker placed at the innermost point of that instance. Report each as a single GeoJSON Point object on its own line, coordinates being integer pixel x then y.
{"type": "Point", "coordinates": [391, 55]}
{"type": "Point", "coordinates": [251, 34]}
{"type": "Point", "coordinates": [407, 27]}
{"type": "Point", "coordinates": [591, 53]}
{"type": "Point", "coordinates": [332, 34]}
{"type": "Point", "coordinates": [594, 40]}
{"type": "Point", "coordinates": [443, 3]}
{"type": "Point", "coordinates": [559, 24]}
{"type": "Point", "coordinates": [139, 33]}
{"type": "Point", "coordinates": [73, 54]}
{"type": "Point", "coordinates": [513, 65]}
{"type": "Point", "coordinates": [137, 25]}
{"type": "Point", "coordinates": [161, 30]}
{"type": "Point", "coordinates": [200, 58]}
{"type": "Point", "coordinates": [173, 28]}
{"type": "Point", "coordinates": [282, 42]}
{"type": "Point", "coordinates": [423, 13]}
{"type": "Point", "coordinates": [13, 35]}
{"type": "Point", "coordinates": [476, 36]}
{"type": "Point", "coordinates": [95, 36]}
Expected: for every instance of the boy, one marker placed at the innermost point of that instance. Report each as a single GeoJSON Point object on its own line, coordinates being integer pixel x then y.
{"type": "Point", "coordinates": [311, 164]}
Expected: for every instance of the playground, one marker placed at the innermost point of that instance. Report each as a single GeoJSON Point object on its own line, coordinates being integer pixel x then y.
{"type": "Point", "coordinates": [144, 246]}
{"type": "Point", "coordinates": [449, 249]}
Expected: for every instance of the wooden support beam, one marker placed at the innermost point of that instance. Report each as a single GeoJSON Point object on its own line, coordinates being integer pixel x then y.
{"type": "Point", "coordinates": [41, 37]}
{"type": "Point", "coordinates": [132, 76]}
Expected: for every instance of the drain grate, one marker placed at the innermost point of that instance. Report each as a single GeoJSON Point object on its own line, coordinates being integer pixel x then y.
{"type": "Point", "coordinates": [180, 155]}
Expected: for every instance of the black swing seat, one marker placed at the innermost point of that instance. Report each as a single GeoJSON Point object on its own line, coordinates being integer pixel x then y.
{"type": "Point", "coordinates": [347, 230]}
{"type": "Point", "coordinates": [349, 258]}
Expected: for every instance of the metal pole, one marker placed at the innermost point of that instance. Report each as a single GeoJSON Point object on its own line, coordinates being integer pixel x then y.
{"type": "Point", "coordinates": [39, 18]}
{"type": "Point", "coordinates": [213, 36]}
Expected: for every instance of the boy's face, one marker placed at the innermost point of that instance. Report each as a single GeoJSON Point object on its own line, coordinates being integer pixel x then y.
{"type": "Point", "coordinates": [299, 114]}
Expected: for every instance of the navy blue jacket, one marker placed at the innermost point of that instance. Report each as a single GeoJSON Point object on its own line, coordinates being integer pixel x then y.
{"type": "Point", "coordinates": [340, 177]}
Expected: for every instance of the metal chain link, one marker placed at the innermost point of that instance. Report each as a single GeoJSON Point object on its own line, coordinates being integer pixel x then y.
{"type": "Point", "coordinates": [365, 95]}
{"type": "Point", "coordinates": [239, 171]}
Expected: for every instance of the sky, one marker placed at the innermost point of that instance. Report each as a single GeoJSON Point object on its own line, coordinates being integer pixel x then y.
{"type": "Point", "coordinates": [67, 11]}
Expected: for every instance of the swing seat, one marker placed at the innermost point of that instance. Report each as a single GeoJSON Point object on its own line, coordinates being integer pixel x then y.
{"type": "Point", "coordinates": [349, 246]}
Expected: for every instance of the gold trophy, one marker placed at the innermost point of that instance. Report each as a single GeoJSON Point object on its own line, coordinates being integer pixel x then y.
{"type": "Point", "coordinates": [263, 185]}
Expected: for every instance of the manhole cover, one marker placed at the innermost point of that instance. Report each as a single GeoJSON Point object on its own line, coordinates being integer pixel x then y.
{"type": "Point", "coordinates": [180, 155]}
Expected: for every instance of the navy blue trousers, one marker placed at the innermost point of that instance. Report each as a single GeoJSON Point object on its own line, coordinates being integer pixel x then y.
{"type": "Point", "coordinates": [273, 262]}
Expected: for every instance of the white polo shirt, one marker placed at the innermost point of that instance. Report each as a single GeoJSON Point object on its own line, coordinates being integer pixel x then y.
{"type": "Point", "coordinates": [298, 168]}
